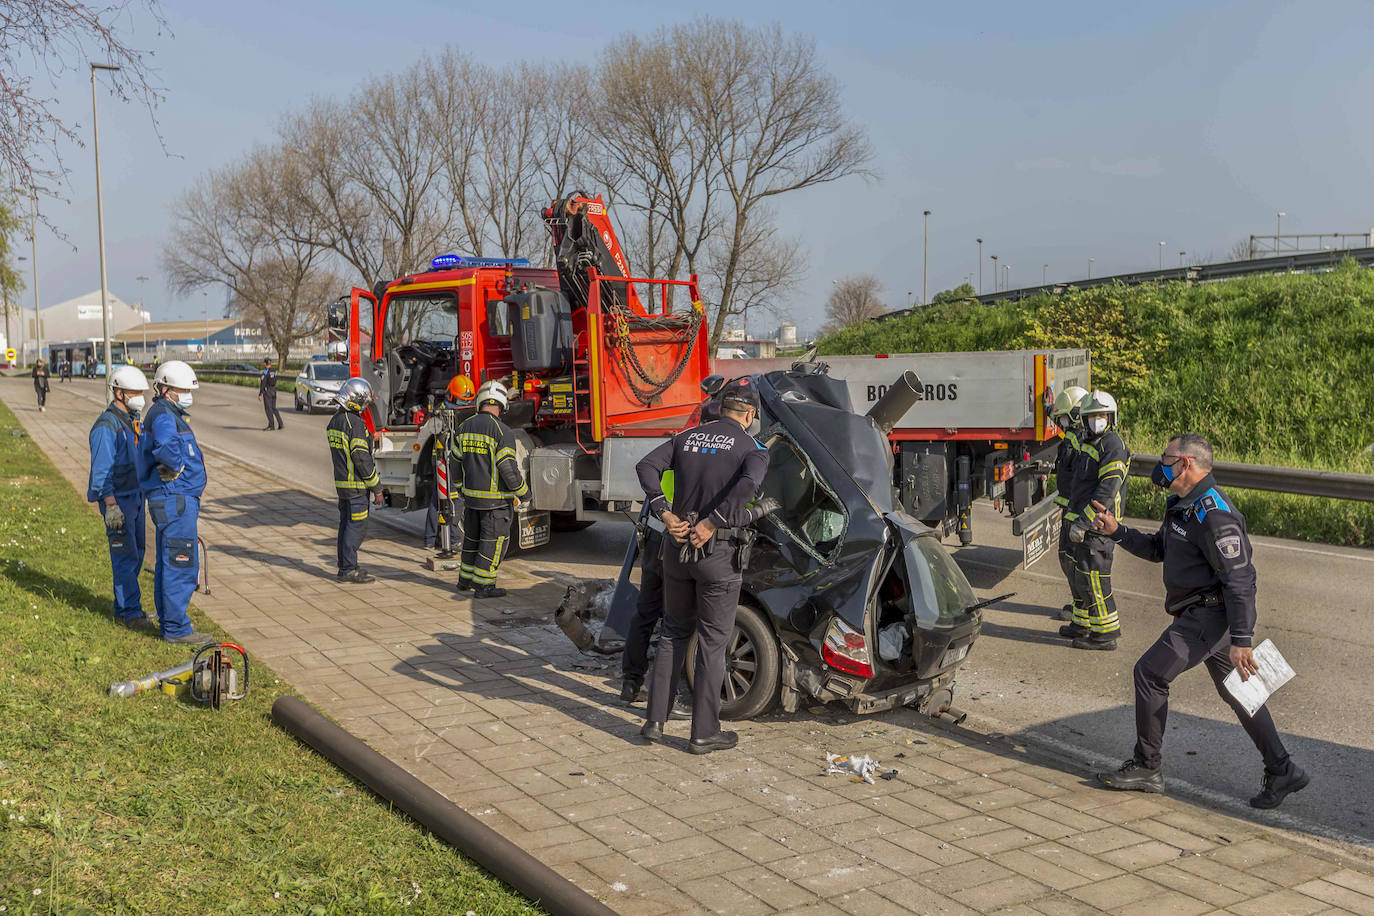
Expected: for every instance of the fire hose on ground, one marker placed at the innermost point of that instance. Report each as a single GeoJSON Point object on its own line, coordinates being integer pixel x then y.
{"type": "Point", "coordinates": [442, 817]}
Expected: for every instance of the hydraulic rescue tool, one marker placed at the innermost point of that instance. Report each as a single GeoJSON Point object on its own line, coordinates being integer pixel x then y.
{"type": "Point", "coordinates": [211, 676]}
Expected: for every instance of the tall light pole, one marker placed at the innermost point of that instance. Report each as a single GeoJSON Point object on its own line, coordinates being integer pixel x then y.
{"type": "Point", "coordinates": [1180, 258]}
{"type": "Point", "coordinates": [205, 300]}
{"type": "Point", "coordinates": [1006, 281]}
{"type": "Point", "coordinates": [143, 310]}
{"type": "Point", "coordinates": [100, 226]}
{"type": "Point", "coordinates": [995, 287]}
{"type": "Point", "coordinates": [1161, 255]}
{"type": "Point", "coordinates": [1278, 230]}
{"type": "Point", "coordinates": [33, 238]}
{"type": "Point", "coordinates": [980, 267]}
{"type": "Point", "coordinates": [925, 256]}
{"type": "Point", "coordinates": [1044, 271]}
{"type": "Point", "coordinates": [1090, 268]}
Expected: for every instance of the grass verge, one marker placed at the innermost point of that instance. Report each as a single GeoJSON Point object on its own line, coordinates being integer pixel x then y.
{"type": "Point", "coordinates": [155, 805]}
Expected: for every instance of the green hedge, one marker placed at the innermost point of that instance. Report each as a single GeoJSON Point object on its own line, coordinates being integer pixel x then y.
{"type": "Point", "coordinates": [1273, 370]}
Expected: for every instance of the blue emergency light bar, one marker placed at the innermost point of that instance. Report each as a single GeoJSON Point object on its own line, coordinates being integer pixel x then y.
{"type": "Point", "coordinates": [460, 262]}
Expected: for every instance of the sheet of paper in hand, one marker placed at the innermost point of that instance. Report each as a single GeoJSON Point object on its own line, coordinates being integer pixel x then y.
{"type": "Point", "coordinates": [1274, 672]}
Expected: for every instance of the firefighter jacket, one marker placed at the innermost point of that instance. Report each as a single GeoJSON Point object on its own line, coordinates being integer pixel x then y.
{"type": "Point", "coordinates": [350, 449]}
{"type": "Point", "coordinates": [1099, 474]}
{"type": "Point", "coordinates": [1063, 471]}
{"type": "Point", "coordinates": [489, 473]}
{"type": "Point", "coordinates": [114, 456]}
{"type": "Point", "coordinates": [168, 441]}
{"type": "Point", "coordinates": [1205, 550]}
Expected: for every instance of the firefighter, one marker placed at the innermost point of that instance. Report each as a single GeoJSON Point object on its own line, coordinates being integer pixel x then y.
{"type": "Point", "coordinates": [717, 468]}
{"type": "Point", "coordinates": [490, 482]}
{"type": "Point", "coordinates": [1099, 476]}
{"type": "Point", "coordinates": [356, 481]}
{"type": "Point", "coordinates": [113, 486]}
{"type": "Point", "coordinates": [172, 476]}
{"type": "Point", "coordinates": [1209, 590]}
{"type": "Point", "coordinates": [458, 396]}
{"type": "Point", "coordinates": [1066, 417]}
{"type": "Point", "coordinates": [267, 393]}
{"type": "Point", "coordinates": [40, 385]}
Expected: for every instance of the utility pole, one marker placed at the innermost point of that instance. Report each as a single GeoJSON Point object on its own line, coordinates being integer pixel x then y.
{"type": "Point", "coordinates": [995, 275]}
{"type": "Point", "coordinates": [925, 256]}
{"type": "Point", "coordinates": [1278, 230]}
{"type": "Point", "coordinates": [980, 267]}
{"type": "Point", "coordinates": [100, 228]}
{"type": "Point", "coordinates": [1090, 268]}
{"type": "Point", "coordinates": [1006, 283]}
{"type": "Point", "coordinates": [1161, 255]}
{"type": "Point", "coordinates": [143, 310]}
{"type": "Point", "coordinates": [33, 238]}
{"type": "Point", "coordinates": [1044, 271]}
{"type": "Point", "coordinates": [1180, 258]}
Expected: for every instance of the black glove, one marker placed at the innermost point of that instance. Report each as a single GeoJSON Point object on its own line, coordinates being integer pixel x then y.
{"type": "Point", "coordinates": [762, 508]}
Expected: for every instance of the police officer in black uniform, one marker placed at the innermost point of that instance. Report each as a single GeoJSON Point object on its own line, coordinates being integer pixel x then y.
{"type": "Point", "coordinates": [355, 474]}
{"type": "Point", "coordinates": [1209, 586]}
{"type": "Point", "coordinates": [267, 393]}
{"type": "Point", "coordinates": [717, 469]}
{"type": "Point", "coordinates": [491, 481]}
{"type": "Point", "coordinates": [1067, 418]}
{"type": "Point", "coordinates": [1099, 476]}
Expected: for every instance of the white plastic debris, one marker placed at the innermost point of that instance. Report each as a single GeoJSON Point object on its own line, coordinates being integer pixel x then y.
{"type": "Point", "coordinates": [862, 767]}
{"type": "Point", "coordinates": [890, 639]}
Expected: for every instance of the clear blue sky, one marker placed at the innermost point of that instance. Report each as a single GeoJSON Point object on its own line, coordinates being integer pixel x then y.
{"type": "Point", "coordinates": [1057, 131]}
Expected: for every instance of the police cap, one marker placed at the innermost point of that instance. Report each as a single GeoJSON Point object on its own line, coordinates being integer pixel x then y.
{"type": "Point", "coordinates": [739, 393]}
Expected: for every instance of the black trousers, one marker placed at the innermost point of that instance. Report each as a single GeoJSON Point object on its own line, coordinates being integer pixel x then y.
{"type": "Point", "coordinates": [269, 407]}
{"type": "Point", "coordinates": [352, 529]}
{"type": "Point", "coordinates": [486, 534]}
{"type": "Point", "coordinates": [1094, 607]}
{"type": "Point", "coordinates": [1199, 634]}
{"type": "Point", "coordinates": [634, 662]}
{"type": "Point", "coordinates": [1066, 561]}
{"type": "Point", "coordinates": [42, 396]}
{"type": "Point", "coordinates": [698, 597]}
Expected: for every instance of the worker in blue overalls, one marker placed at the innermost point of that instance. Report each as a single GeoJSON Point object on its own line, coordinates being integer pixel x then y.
{"type": "Point", "coordinates": [114, 488]}
{"type": "Point", "coordinates": [172, 474]}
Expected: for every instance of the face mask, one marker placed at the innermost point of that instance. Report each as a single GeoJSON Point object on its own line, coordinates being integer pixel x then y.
{"type": "Point", "coordinates": [1098, 425]}
{"type": "Point", "coordinates": [1162, 475]}
{"type": "Point", "coordinates": [135, 403]}
{"type": "Point", "coordinates": [184, 400]}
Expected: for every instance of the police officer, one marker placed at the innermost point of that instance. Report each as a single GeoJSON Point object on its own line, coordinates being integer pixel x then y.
{"type": "Point", "coordinates": [172, 477]}
{"type": "Point", "coordinates": [459, 396]}
{"type": "Point", "coordinates": [356, 481]}
{"type": "Point", "coordinates": [1209, 589]}
{"type": "Point", "coordinates": [1099, 475]}
{"type": "Point", "coordinates": [1067, 418]}
{"type": "Point", "coordinates": [490, 482]}
{"type": "Point", "coordinates": [267, 393]}
{"type": "Point", "coordinates": [113, 486]}
{"type": "Point", "coordinates": [717, 469]}
{"type": "Point", "coordinates": [40, 385]}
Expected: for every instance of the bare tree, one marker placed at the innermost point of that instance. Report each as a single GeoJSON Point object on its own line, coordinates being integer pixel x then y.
{"type": "Point", "coordinates": [235, 229]}
{"type": "Point", "coordinates": [767, 269]}
{"type": "Point", "coordinates": [853, 301]}
{"type": "Point", "coordinates": [456, 129]}
{"type": "Point", "coordinates": [42, 40]}
{"type": "Point", "coordinates": [510, 158]}
{"type": "Point", "coordinates": [11, 284]}
{"type": "Point", "coordinates": [1240, 250]}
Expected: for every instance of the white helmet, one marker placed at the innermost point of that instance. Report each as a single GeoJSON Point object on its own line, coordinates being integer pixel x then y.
{"type": "Point", "coordinates": [128, 378]}
{"type": "Point", "coordinates": [1066, 401]}
{"type": "Point", "coordinates": [494, 392]}
{"type": "Point", "coordinates": [176, 374]}
{"type": "Point", "coordinates": [1098, 402]}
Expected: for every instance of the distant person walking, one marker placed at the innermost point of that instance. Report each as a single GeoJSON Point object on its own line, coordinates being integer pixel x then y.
{"type": "Point", "coordinates": [1209, 590]}
{"type": "Point", "coordinates": [66, 370]}
{"type": "Point", "coordinates": [267, 393]}
{"type": "Point", "coordinates": [40, 384]}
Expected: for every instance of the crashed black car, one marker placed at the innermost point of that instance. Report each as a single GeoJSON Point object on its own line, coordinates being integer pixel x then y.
{"type": "Point", "coordinates": [846, 597]}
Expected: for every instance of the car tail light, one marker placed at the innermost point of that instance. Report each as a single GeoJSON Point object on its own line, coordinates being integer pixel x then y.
{"type": "Point", "coordinates": [845, 649]}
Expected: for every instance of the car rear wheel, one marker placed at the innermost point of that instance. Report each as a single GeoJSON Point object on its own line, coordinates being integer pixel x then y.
{"type": "Point", "coordinates": [753, 667]}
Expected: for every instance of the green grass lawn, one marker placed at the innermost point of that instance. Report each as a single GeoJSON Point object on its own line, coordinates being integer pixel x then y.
{"type": "Point", "coordinates": [157, 805]}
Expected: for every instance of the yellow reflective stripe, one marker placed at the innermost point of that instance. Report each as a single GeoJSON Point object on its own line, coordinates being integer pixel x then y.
{"type": "Point", "coordinates": [505, 453]}
{"type": "Point", "coordinates": [350, 484]}
{"type": "Point", "coordinates": [1087, 449]}
{"type": "Point", "coordinates": [1089, 512]}
{"type": "Point", "coordinates": [1070, 516]}
{"type": "Point", "coordinates": [359, 516]}
{"type": "Point", "coordinates": [372, 480]}
{"type": "Point", "coordinates": [1060, 501]}
{"type": "Point", "coordinates": [338, 438]}
{"type": "Point", "coordinates": [360, 443]}
{"type": "Point", "coordinates": [1115, 467]}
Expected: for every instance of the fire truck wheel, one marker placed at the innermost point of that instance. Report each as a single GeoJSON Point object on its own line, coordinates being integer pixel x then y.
{"type": "Point", "coordinates": [753, 667]}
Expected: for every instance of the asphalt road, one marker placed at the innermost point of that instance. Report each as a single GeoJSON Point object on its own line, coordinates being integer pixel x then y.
{"type": "Point", "coordinates": [1021, 678]}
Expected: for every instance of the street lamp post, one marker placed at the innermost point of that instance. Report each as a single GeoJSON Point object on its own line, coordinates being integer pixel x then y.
{"type": "Point", "coordinates": [995, 275]}
{"type": "Point", "coordinates": [1161, 255]}
{"type": "Point", "coordinates": [925, 256]}
{"type": "Point", "coordinates": [33, 238]}
{"type": "Point", "coordinates": [206, 301]}
{"type": "Point", "coordinates": [1006, 280]}
{"type": "Point", "coordinates": [143, 310]}
{"type": "Point", "coordinates": [980, 267]}
{"type": "Point", "coordinates": [1278, 230]}
{"type": "Point", "coordinates": [100, 225]}
{"type": "Point", "coordinates": [1090, 267]}
{"type": "Point", "coordinates": [1180, 258]}
{"type": "Point", "coordinates": [1044, 272]}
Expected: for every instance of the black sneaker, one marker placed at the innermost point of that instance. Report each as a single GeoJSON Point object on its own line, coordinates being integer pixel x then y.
{"type": "Point", "coordinates": [488, 591]}
{"type": "Point", "coordinates": [357, 577]}
{"type": "Point", "coordinates": [1073, 631]}
{"type": "Point", "coordinates": [720, 741]}
{"type": "Point", "coordinates": [682, 708]}
{"type": "Point", "coordinates": [1274, 789]}
{"type": "Point", "coordinates": [629, 690]}
{"type": "Point", "coordinates": [1064, 614]}
{"type": "Point", "coordinates": [191, 639]}
{"type": "Point", "coordinates": [652, 732]}
{"type": "Point", "coordinates": [1133, 776]}
{"type": "Point", "coordinates": [1102, 642]}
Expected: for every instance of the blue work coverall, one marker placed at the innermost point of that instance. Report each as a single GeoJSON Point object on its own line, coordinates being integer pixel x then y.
{"type": "Point", "coordinates": [114, 472]}
{"type": "Point", "coordinates": [174, 507]}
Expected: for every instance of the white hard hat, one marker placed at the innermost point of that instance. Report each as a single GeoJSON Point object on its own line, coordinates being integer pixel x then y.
{"type": "Point", "coordinates": [1067, 400]}
{"type": "Point", "coordinates": [128, 378]}
{"type": "Point", "coordinates": [176, 374]}
{"type": "Point", "coordinates": [493, 391]}
{"type": "Point", "coordinates": [1098, 402]}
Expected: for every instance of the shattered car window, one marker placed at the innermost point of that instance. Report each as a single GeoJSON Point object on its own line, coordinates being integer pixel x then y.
{"type": "Point", "coordinates": [940, 590]}
{"type": "Point", "coordinates": [809, 513]}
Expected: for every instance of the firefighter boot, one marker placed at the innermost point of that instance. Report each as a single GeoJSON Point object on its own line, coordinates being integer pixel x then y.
{"type": "Point", "coordinates": [1133, 776]}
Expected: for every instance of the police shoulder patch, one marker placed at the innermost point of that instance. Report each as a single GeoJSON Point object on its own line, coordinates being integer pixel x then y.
{"type": "Point", "coordinates": [1229, 547]}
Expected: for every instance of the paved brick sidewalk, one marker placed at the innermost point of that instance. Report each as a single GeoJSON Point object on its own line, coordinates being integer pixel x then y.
{"type": "Point", "coordinates": [483, 701]}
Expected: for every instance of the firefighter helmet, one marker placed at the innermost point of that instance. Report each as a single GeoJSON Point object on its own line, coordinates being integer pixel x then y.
{"type": "Point", "coordinates": [1066, 400]}
{"type": "Point", "coordinates": [493, 393]}
{"type": "Point", "coordinates": [176, 374]}
{"type": "Point", "coordinates": [1097, 403]}
{"type": "Point", "coordinates": [460, 388]}
{"type": "Point", "coordinates": [355, 394]}
{"type": "Point", "coordinates": [128, 378]}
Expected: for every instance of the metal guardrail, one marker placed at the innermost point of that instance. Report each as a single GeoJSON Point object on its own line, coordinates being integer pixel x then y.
{"type": "Point", "coordinates": [1298, 481]}
{"type": "Point", "coordinates": [1202, 273]}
